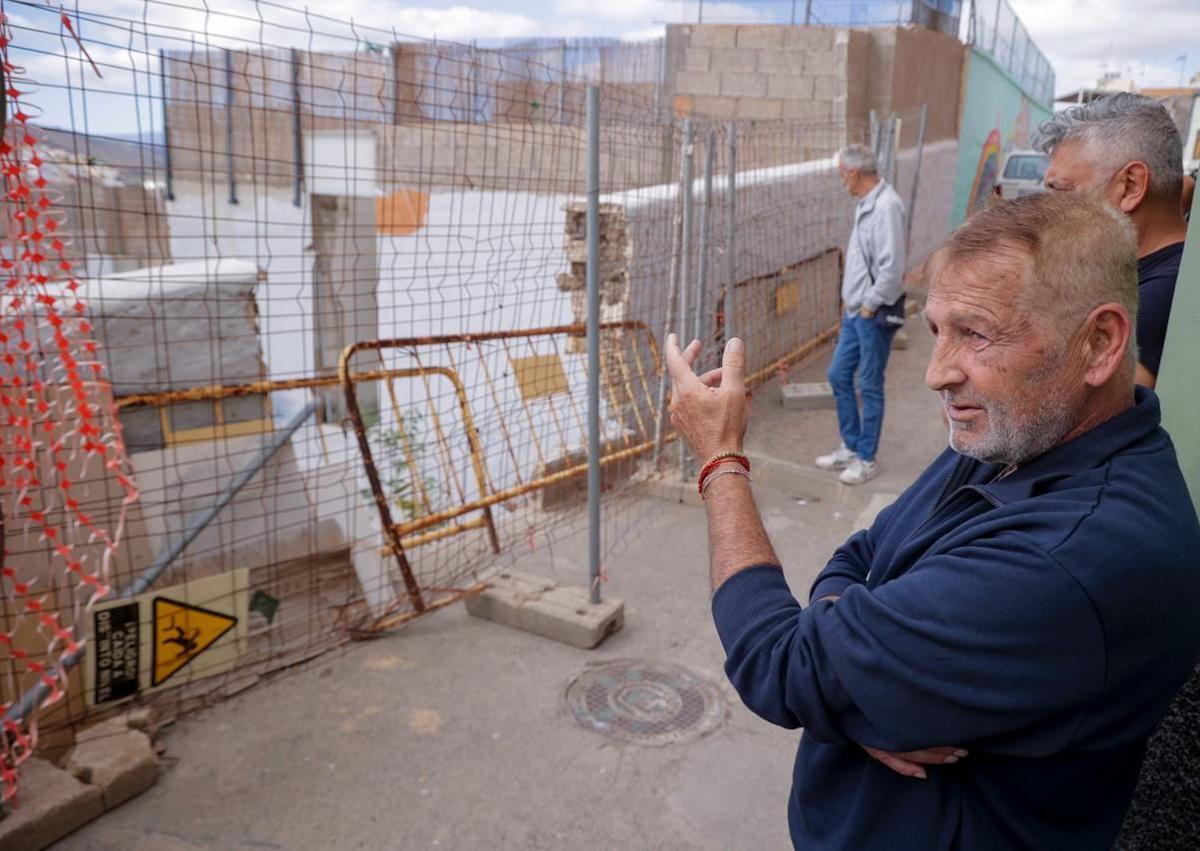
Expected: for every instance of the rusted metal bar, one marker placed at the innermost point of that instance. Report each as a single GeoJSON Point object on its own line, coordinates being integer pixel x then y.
{"type": "Point", "coordinates": [225, 391]}
{"type": "Point", "coordinates": [767, 372]}
{"type": "Point", "coordinates": [386, 622]}
{"type": "Point", "coordinates": [519, 490]}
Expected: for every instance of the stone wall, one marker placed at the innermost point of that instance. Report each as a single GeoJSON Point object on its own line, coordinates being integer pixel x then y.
{"type": "Point", "coordinates": [820, 75]}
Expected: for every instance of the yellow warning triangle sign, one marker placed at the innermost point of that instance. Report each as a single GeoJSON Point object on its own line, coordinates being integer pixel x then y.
{"type": "Point", "coordinates": [181, 633]}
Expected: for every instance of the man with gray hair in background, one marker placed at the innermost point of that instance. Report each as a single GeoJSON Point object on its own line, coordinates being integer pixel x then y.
{"type": "Point", "coordinates": [872, 284]}
{"type": "Point", "coordinates": [1126, 148]}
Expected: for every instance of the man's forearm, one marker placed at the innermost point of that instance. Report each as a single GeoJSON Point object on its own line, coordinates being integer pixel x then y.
{"type": "Point", "coordinates": [736, 537]}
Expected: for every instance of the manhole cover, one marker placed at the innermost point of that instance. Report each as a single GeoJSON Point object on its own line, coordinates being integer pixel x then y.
{"type": "Point", "coordinates": [648, 703]}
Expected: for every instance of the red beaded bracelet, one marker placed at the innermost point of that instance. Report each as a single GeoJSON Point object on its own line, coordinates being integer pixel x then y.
{"type": "Point", "coordinates": [713, 462]}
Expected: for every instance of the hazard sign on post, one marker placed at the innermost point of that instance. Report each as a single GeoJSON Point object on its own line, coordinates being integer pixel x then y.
{"type": "Point", "coordinates": [182, 632]}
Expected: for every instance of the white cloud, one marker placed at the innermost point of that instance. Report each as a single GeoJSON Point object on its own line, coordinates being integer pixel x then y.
{"type": "Point", "coordinates": [1082, 38]}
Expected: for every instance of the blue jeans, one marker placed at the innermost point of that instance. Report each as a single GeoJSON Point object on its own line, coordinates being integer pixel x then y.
{"type": "Point", "coordinates": [862, 347]}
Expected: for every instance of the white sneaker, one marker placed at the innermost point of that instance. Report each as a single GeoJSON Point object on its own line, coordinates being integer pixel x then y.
{"type": "Point", "coordinates": [858, 471]}
{"type": "Point", "coordinates": [838, 459]}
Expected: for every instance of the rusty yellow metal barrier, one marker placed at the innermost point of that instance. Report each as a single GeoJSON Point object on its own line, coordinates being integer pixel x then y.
{"type": "Point", "coordinates": [396, 532]}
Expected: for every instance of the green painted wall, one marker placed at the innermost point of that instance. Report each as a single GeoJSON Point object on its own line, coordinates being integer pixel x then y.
{"type": "Point", "coordinates": [1179, 378]}
{"type": "Point", "coordinates": [997, 117]}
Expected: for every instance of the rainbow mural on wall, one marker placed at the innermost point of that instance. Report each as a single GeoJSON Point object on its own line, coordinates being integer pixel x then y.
{"type": "Point", "coordinates": [986, 173]}
{"type": "Point", "coordinates": [997, 116]}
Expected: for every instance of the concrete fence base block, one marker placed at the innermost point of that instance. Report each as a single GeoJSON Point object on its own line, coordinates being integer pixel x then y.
{"type": "Point", "coordinates": [118, 761]}
{"type": "Point", "coordinates": [538, 605]}
{"type": "Point", "coordinates": [810, 396]}
{"type": "Point", "coordinates": [52, 805]}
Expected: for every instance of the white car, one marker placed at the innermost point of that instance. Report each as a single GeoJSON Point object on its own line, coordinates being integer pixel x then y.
{"type": "Point", "coordinates": [1023, 174]}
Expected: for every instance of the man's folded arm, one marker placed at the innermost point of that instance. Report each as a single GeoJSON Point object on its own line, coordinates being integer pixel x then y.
{"type": "Point", "coordinates": [993, 646]}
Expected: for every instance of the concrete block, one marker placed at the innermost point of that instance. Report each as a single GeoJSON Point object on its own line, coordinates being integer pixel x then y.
{"type": "Point", "coordinates": [827, 88]}
{"type": "Point", "coordinates": [121, 763]}
{"type": "Point", "coordinates": [739, 85]}
{"type": "Point", "coordinates": [715, 107]}
{"type": "Point", "coordinates": [807, 396]}
{"type": "Point", "coordinates": [698, 82]}
{"type": "Point", "coordinates": [822, 62]}
{"type": "Point", "coordinates": [804, 108]}
{"type": "Point", "coordinates": [540, 606]}
{"type": "Point", "coordinates": [809, 39]}
{"type": "Point", "coordinates": [760, 36]}
{"type": "Point", "coordinates": [732, 59]}
{"type": "Point", "coordinates": [714, 35]}
{"type": "Point", "coordinates": [697, 59]}
{"type": "Point", "coordinates": [789, 86]}
{"type": "Point", "coordinates": [52, 804]}
{"type": "Point", "coordinates": [758, 109]}
{"type": "Point", "coordinates": [775, 61]}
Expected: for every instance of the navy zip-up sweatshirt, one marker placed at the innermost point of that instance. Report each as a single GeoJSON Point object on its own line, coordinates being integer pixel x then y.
{"type": "Point", "coordinates": [1042, 621]}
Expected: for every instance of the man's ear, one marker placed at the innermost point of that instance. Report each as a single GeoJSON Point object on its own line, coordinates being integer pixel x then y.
{"type": "Point", "coordinates": [1134, 186]}
{"type": "Point", "coordinates": [1109, 333]}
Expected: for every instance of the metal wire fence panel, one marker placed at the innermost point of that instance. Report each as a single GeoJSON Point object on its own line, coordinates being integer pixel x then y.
{"type": "Point", "coordinates": [335, 279]}
{"type": "Point", "coordinates": [940, 15]}
{"type": "Point", "coordinates": [994, 27]}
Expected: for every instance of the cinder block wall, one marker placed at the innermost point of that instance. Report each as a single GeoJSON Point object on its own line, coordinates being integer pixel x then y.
{"type": "Point", "coordinates": [759, 72]}
{"type": "Point", "coordinates": [769, 72]}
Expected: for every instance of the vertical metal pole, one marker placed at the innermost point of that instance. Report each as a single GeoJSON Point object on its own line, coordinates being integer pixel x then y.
{"type": "Point", "coordinates": [233, 199]}
{"type": "Point", "coordinates": [874, 134]}
{"type": "Point", "coordinates": [731, 239]}
{"type": "Point", "coordinates": [297, 145]}
{"type": "Point", "coordinates": [474, 84]}
{"type": "Point", "coordinates": [912, 195]}
{"type": "Point", "coordinates": [593, 338]}
{"type": "Point", "coordinates": [162, 65]}
{"type": "Point", "coordinates": [1012, 43]}
{"type": "Point", "coordinates": [669, 325]}
{"type": "Point", "coordinates": [700, 13]}
{"type": "Point", "coordinates": [793, 19]}
{"type": "Point", "coordinates": [562, 86]}
{"type": "Point", "coordinates": [996, 27]}
{"type": "Point", "coordinates": [807, 12]}
{"type": "Point", "coordinates": [686, 176]}
{"type": "Point", "coordinates": [710, 150]}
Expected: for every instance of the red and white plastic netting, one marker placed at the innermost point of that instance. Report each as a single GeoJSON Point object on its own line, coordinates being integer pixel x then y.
{"type": "Point", "coordinates": [60, 441]}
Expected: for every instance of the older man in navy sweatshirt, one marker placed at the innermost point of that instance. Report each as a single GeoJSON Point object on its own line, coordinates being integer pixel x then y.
{"type": "Point", "coordinates": [982, 667]}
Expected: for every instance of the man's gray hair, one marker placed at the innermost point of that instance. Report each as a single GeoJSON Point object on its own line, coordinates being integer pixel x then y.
{"type": "Point", "coordinates": [858, 158]}
{"type": "Point", "coordinates": [1121, 128]}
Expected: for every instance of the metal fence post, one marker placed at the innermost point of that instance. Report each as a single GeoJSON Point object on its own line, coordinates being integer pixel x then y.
{"type": "Point", "coordinates": [660, 424]}
{"type": "Point", "coordinates": [710, 150]}
{"type": "Point", "coordinates": [912, 195]}
{"type": "Point", "coordinates": [686, 176]}
{"type": "Point", "coordinates": [807, 12]}
{"type": "Point", "coordinates": [593, 338]}
{"type": "Point", "coordinates": [731, 238]}
{"type": "Point", "coordinates": [162, 65]}
{"type": "Point", "coordinates": [874, 132]}
{"type": "Point", "coordinates": [562, 86]}
{"type": "Point", "coordinates": [297, 146]}
{"type": "Point", "coordinates": [233, 199]}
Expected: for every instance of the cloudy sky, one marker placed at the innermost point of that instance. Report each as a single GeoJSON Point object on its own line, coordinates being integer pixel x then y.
{"type": "Point", "coordinates": [1151, 40]}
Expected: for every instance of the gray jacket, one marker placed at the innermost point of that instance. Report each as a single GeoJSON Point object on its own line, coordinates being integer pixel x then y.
{"type": "Point", "coordinates": [876, 251]}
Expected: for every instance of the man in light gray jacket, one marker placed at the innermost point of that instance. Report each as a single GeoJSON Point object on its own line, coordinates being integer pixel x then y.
{"type": "Point", "coordinates": [873, 282]}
